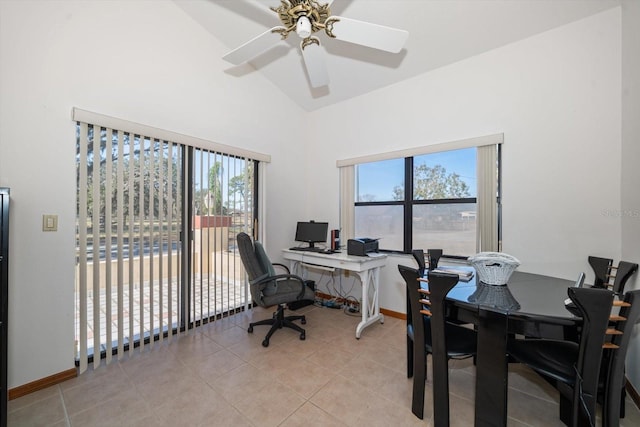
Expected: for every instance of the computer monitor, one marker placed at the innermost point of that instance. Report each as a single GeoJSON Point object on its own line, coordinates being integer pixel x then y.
{"type": "Point", "coordinates": [312, 232]}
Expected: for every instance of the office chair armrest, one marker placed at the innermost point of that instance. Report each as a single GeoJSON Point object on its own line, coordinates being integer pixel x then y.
{"type": "Point", "coordinates": [277, 264]}
{"type": "Point", "coordinates": [284, 267]}
{"type": "Point", "coordinates": [294, 277]}
{"type": "Point", "coordinates": [277, 277]}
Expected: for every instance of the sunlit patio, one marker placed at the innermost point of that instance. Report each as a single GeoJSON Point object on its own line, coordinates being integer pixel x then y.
{"type": "Point", "coordinates": [217, 287]}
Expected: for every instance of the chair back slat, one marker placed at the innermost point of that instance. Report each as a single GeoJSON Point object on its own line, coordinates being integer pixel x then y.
{"type": "Point", "coordinates": [618, 303]}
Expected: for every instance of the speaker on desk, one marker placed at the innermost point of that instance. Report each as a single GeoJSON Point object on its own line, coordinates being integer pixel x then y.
{"type": "Point", "coordinates": [335, 240]}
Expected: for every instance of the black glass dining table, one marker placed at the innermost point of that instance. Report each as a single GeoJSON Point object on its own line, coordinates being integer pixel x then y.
{"type": "Point", "coordinates": [529, 304]}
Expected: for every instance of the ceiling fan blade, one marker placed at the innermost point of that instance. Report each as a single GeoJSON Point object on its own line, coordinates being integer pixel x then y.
{"type": "Point", "coordinates": [368, 34]}
{"type": "Point", "coordinates": [314, 61]}
{"type": "Point", "coordinates": [253, 47]}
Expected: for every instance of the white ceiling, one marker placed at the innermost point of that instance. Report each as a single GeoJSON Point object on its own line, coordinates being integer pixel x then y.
{"type": "Point", "coordinates": [441, 32]}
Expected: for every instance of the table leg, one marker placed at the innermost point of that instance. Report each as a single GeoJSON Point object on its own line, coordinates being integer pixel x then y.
{"type": "Point", "coordinates": [491, 369]}
{"type": "Point", "coordinates": [370, 309]}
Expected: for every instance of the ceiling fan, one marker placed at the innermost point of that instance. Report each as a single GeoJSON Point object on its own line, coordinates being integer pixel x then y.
{"type": "Point", "coordinates": [306, 17]}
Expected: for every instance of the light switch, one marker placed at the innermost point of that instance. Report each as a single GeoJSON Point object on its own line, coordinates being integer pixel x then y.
{"type": "Point", "coordinates": [49, 222]}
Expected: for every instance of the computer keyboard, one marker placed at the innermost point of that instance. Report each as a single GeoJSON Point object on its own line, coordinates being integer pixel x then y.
{"type": "Point", "coordinates": [316, 250]}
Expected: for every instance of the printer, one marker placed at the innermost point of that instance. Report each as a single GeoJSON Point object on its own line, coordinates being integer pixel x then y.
{"type": "Point", "coordinates": [361, 246]}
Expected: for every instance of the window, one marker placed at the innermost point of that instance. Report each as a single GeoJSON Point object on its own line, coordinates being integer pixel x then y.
{"type": "Point", "coordinates": [444, 201]}
{"type": "Point", "coordinates": [429, 200]}
{"type": "Point", "coordinates": [379, 211]}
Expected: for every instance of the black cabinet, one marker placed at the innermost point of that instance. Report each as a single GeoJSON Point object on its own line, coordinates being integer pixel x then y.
{"type": "Point", "coordinates": [4, 303]}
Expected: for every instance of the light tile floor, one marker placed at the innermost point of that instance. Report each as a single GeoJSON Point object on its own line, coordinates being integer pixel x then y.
{"type": "Point", "coordinates": [220, 375]}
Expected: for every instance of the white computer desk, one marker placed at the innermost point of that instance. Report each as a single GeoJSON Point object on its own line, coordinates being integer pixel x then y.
{"type": "Point", "coordinates": [367, 269]}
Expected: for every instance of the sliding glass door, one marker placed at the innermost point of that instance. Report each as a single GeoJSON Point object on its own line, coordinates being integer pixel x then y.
{"type": "Point", "coordinates": [222, 206]}
{"type": "Point", "coordinates": [155, 241]}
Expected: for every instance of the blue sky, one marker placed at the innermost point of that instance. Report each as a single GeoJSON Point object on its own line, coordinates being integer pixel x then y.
{"type": "Point", "coordinates": [379, 178]}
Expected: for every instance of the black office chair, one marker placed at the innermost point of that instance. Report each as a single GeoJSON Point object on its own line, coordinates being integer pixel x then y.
{"type": "Point", "coordinates": [613, 381]}
{"type": "Point", "coordinates": [269, 289]}
{"type": "Point", "coordinates": [427, 330]}
{"type": "Point", "coordinates": [573, 368]}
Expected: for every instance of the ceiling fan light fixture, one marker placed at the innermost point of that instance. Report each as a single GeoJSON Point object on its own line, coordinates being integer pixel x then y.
{"type": "Point", "coordinates": [307, 17]}
{"type": "Point", "coordinates": [303, 27]}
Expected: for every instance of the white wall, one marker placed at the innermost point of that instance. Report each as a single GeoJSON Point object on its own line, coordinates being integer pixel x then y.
{"type": "Point", "coordinates": [556, 98]}
{"type": "Point", "coordinates": [138, 60]}
{"type": "Point", "coordinates": [630, 206]}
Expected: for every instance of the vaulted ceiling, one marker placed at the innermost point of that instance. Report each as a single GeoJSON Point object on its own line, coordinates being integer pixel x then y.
{"type": "Point", "coordinates": [441, 32]}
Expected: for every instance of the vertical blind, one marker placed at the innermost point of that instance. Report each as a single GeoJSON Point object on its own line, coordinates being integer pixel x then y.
{"type": "Point", "coordinates": [347, 199]}
{"type": "Point", "coordinates": [129, 216]}
{"type": "Point", "coordinates": [138, 279]}
{"type": "Point", "coordinates": [487, 204]}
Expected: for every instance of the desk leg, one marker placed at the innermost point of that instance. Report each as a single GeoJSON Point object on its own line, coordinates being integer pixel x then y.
{"type": "Point", "coordinates": [294, 266]}
{"type": "Point", "coordinates": [370, 306]}
{"type": "Point", "coordinates": [491, 369]}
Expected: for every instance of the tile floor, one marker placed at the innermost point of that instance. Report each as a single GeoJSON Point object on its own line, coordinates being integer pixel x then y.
{"type": "Point", "coordinates": [219, 375]}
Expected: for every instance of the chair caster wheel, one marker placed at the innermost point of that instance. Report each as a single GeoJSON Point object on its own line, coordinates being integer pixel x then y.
{"type": "Point", "coordinates": [250, 330]}
{"type": "Point", "coordinates": [303, 321]}
{"type": "Point", "coordinates": [265, 343]}
{"type": "Point", "coordinates": [303, 336]}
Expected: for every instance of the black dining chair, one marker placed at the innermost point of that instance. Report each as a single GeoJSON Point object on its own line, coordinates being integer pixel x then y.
{"type": "Point", "coordinates": [605, 271]}
{"type": "Point", "coordinates": [613, 381]}
{"type": "Point", "coordinates": [429, 333]}
{"type": "Point", "coordinates": [601, 269]}
{"type": "Point", "coordinates": [572, 368]}
{"type": "Point", "coordinates": [434, 256]}
{"type": "Point", "coordinates": [621, 274]}
{"type": "Point", "coordinates": [418, 255]}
